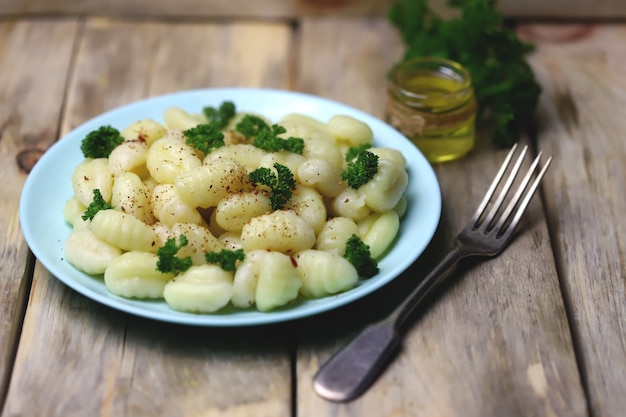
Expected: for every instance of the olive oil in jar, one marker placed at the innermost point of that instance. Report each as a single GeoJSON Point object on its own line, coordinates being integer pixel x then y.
{"type": "Point", "coordinates": [431, 101]}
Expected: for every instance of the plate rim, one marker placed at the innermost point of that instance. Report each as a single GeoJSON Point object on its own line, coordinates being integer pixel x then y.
{"type": "Point", "coordinates": [255, 318]}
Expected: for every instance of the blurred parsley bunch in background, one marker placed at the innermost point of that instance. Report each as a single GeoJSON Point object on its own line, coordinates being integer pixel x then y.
{"type": "Point", "coordinates": [504, 84]}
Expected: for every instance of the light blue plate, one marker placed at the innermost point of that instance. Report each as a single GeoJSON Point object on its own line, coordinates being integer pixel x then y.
{"type": "Point", "coordinates": [48, 187]}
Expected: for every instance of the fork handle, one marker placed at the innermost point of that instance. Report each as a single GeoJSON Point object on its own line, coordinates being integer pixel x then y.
{"type": "Point", "coordinates": [436, 276]}
{"type": "Point", "coordinates": [352, 369]}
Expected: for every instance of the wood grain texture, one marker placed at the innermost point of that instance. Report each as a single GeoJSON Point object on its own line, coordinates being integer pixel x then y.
{"type": "Point", "coordinates": [31, 92]}
{"type": "Point", "coordinates": [510, 356]}
{"type": "Point", "coordinates": [558, 9]}
{"type": "Point", "coordinates": [583, 124]}
{"type": "Point", "coordinates": [197, 8]}
{"type": "Point", "coordinates": [78, 358]}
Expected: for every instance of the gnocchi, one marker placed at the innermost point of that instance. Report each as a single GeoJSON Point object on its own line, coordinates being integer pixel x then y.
{"type": "Point", "coordinates": [161, 189]}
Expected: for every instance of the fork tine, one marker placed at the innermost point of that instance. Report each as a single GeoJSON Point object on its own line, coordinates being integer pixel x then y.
{"type": "Point", "coordinates": [492, 188]}
{"type": "Point", "coordinates": [526, 200]}
{"type": "Point", "coordinates": [488, 220]}
{"type": "Point", "coordinates": [518, 194]}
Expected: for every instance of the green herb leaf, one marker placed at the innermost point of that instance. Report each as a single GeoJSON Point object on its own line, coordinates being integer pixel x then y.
{"type": "Point", "coordinates": [98, 203]}
{"type": "Point", "coordinates": [168, 261]}
{"type": "Point", "coordinates": [267, 139]}
{"type": "Point", "coordinates": [354, 151]}
{"type": "Point", "coordinates": [358, 254]}
{"type": "Point", "coordinates": [251, 125]}
{"type": "Point", "coordinates": [227, 259]}
{"type": "Point", "coordinates": [281, 185]}
{"type": "Point", "coordinates": [359, 171]}
{"type": "Point", "coordinates": [219, 117]}
{"type": "Point", "coordinates": [101, 142]}
{"type": "Point", "coordinates": [204, 137]}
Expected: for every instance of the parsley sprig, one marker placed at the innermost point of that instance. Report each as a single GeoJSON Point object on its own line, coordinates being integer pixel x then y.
{"type": "Point", "coordinates": [220, 117]}
{"type": "Point", "coordinates": [358, 254]}
{"type": "Point", "coordinates": [204, 137]}
{"type": "Point", "coordinates": [361, 168]}
{"type": "Point", "coordinates": [169, 261]}
{"type": "Point", "coordinates": [227, 259]}
{"type": "Point", "coordinates": [100, 143]}
{"type": "Point", "coordinates": [281, 184]}
{"type": "Point", "coordinates": [98, 203]}
{"type": "Point", "coordinates": [266, 137]}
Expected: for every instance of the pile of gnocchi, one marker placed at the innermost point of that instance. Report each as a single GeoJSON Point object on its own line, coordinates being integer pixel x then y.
{"type": "Point", "coordinates": [161, 188]}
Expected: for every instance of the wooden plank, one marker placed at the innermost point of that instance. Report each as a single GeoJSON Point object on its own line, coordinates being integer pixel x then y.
{"type": "Point", "coordinates": [582, 124]}
{"type": "Point", "coordinates": [497, 342]}
{"type": "Point", "coordinates": [27, 128]}
{"type": "Point", "coordinates": [78, 358]}
{"type": "Point", "coordinates": [559, 9]}
{"type": "Point", "coordinates": [196, 8]}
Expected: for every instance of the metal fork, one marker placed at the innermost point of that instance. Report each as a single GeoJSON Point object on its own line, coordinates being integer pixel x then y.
{"type": "Point", "coordinates": [352, 370]}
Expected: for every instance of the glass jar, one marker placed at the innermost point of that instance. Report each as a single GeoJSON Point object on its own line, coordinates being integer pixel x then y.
{"type": "Point", "coordinates": [431, 101]}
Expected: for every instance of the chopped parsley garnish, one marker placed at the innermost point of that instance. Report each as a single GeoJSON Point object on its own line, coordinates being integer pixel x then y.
{"type": "Point", "coordinates": [219, 117]}
{"type": "Point", "coordinates": [204, 137]}
{"type": "Point", "coordinates": [168, 261]}
{"type": "Point", "coordinates": [266, 137]}
{"type": "Point", "coordinates": [358, 254]}
{"type": "Point", "coordinates": [268, 140]}
{"type": "Point", "coordinates": [354, 151]}
{"type": "Point", "coordinates": [281, 185]}
{"type": "Point", "coordinates": [101, 142]}
{"type": "Point", "coordinates": [227, 259]}
{"type": "Point", "coordinates": [98, 203]}
{"type": "Point", "coordinates": [361, 169]}
{"type": "Point", "coordinates": [250, 125]}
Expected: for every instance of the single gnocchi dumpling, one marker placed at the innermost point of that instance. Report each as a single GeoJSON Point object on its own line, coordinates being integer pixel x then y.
{"type": "Point", "coordinates": [231, 241]}
{"type": "Point", "coordinates": [145, 130]}
{"type": "Point", "coordinates": [73, 210]}
{"type": "Point", "coordinates": [324, 273]}
{"type": "Point", "coordinates": [350, 203]}
{"type": "Point", "coordinates": [130, 195]}
{"type": "Point", "coordinates": [389, 153]}
{"type": "Point", "coordinates": [200, 289]}
{"type": "Point", "coordinates": [335, 235]}
{"type": "Point", "coordinates": [129, 157]}
{"type": "Point", "coordinates": [246, 155]}
{"type": "Point", "coordinates": [89, 175]}
{"type": "Point", "coordinates": [163, 233]}
{"type": "Point", "coordinates": [199, 241]}
{"type": "Point", "coordinates": [384, 191]}
{"type": "Point", "coordinates": [303, 119]}
{"type": "Point", "coordinates": [206, 185]}
{"type": "Point", "coordinates": [88, 253]}
{"type": "Point", "coordinates": [318, 143]}
{"type": "Point", "coordinates": [169, 208]}
{"type": "Point", "coordinates": [281, 231]}
{"type": "Point", "coordinates": [124, 231]}
{"type": "Point", "coordinates": [308, 204]}
{"type": "Point", "coordinates": [322, 175]}
{"type": "Point", "coordinates": [267, 279]}
{"type": "Point", "coordinates": [291, 160]}
{"type": "Point", "coordinates": [177, 118]}
{"type": "Point", "coordinates": [378, 232]}
{"type": "Point", "coordinates": [135, 275]}
{"type": "Point", "coordinates": [234, 211]}
{"type": "Point", "coordinates": [347, 129]}
{"type": "Point", "coordinates": [169, 157]}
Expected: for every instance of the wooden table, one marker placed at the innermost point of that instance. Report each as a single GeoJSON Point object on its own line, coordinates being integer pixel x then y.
{"type": "Point", "coordinates": [538, 331]}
